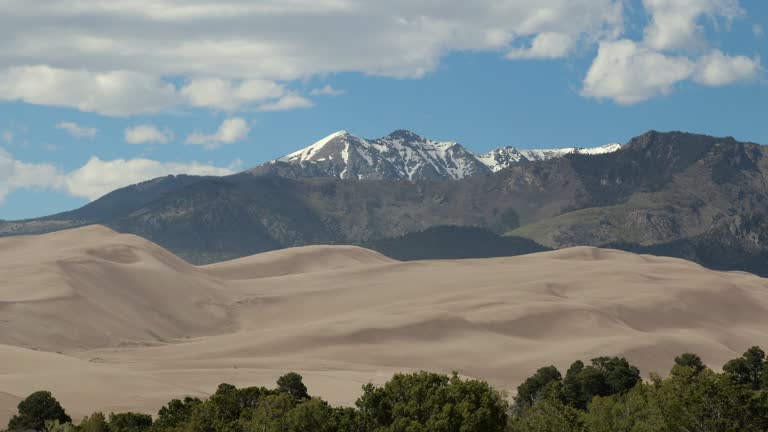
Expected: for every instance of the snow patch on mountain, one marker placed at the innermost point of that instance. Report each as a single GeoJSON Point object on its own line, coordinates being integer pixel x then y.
{"type": "Point", "coordinates": [608, 148]}
{"type": "Point", "coordinates": [308, 152]}
{"type": "Point", "coordinates": [497, 160]}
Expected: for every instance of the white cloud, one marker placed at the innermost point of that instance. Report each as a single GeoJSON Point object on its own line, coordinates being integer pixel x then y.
{"type": "Point", "coordinates": [77, 131]}
{"type": "Point", "coordinates": [327, 90]}
{"type": "Point", "coordinates": [226, 95]}
{"type": "Point", "coordinates": [758, 30]}
{"type": "Point", "coordinates": [124, 93]}
{"type": "Point", "coordinates": [287, 102]}
{"type": "Point", "coordinates": [231, 130]}
{"type": "Point", "coordinates": [8, 136]}
{"type": "Point", "coordinates": [96, 178]}
{"type": "Point", "coordinates": [278, 39]}
{"type": "Point", "coordinates": [628, 73]}
{"type": "Point", "coordinates": [675, 23]}
{"type": "Point", "coordinates": [147, 134]}
{"type": "Point", "coordinates": [73, 59]}
{"type": "Point", "coordinates": [718, 69]}
{"type": "Point", "coordinates": [545, 46]}
{"type": "Point", "coordinates": [235, 54]}
{"type": "Point", "coordinates": [110, 93]}
{"type": "Point", "coordinates": [17, 175]}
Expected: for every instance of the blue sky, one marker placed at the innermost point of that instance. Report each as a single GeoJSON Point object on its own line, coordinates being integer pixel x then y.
{"type": "Point", "coordinates": [551, 73]}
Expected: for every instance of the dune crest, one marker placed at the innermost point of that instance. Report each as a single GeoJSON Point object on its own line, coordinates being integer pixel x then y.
{"type": "Point", "coordinates": [128, 314]}
{"type": "Point", "coordinates": [305, 259]}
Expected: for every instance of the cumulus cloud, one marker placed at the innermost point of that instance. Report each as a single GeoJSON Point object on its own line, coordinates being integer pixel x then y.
{"type": "Point", "coordinates": [545, 46]}
{"type": "Point", "coordinates": [628, 73]}
{"type": "Point", "coordinates": [98, 177]}
{"type": "Point", "coordinates": [282, 40]}
{"type": "Point", "coordinates": [94, 179]}
{"type": "Point", "coordinates": [17, 175]}
{"type": "Point", "coordinates": [675, 23]}
{"type": "Point", "coordinates": [287, 102]}
{"type": "Point", "coordinates": [327, 90]}
{"type": "Point", "coordinates": [114, 93]}
{"type": "Point", "coordinates": [77, 131]}
{"type": "Point", "coordinates": [226, 95]}
{"type": "Point", "coordinates": [124, 93]}
{"type": "Point", "coordinates": [147, 134]}
{"type": "Point", "coordinates": [718, 69]}
{"type": "Point", "coordinates": [234, 52]}
{"type": "Point", "coordinates": [231, 130]}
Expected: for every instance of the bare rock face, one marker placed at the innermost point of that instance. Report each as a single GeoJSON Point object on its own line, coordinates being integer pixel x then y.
{"type": "Point", "coordinates": [654, 226]}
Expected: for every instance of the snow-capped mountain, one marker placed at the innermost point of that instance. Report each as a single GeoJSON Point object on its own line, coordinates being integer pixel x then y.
{"type": "Point", "coordinates": [403, 155]}
{"type": "Point", "coordinates": [505, 157]}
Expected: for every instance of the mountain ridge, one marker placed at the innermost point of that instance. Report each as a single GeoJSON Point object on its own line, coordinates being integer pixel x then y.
{"type": "Point", "coordinates": [696, 197]}
{"type": "Point", "coordinates": [404, 155]}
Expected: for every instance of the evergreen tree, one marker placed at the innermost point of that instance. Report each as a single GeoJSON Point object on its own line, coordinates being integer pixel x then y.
{"type": "Point", "coordinates": [748, 369]}
{"type": "Point", "coordinates": [35, 410]}
{"type": "Point", "coordinates": [292, 384]}
{"type": "Point", "coordinates": [605, 376]}
{"type": "Point", "coordinates": [689, 361]}
{"type": "Point", "coordinates": [531, 389]}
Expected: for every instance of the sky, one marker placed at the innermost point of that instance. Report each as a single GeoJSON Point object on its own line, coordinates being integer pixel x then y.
{"type": "Point", "coordinates": [98, 95]}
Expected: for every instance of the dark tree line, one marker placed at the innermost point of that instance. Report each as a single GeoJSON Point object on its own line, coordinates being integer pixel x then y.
{"type": "Point", "coordinates": [609, 396]}
{"type": "Point", "coordinates": [605, 395]}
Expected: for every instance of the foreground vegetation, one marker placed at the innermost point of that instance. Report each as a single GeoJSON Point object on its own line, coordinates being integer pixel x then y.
{"type": "Point", "coordinates": [606, 395]}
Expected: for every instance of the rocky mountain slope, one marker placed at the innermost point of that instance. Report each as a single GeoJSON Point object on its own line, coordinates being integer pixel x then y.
{"type": "Point", "coordinates": [693, 196]}
{"type": "Point", "coordinates": [403, 155]}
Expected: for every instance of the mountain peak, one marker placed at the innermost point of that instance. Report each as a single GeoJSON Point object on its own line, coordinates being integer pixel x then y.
{"type": "Point", "coordinates": [403, 134]}
{"type": "Point", "coordinates": [405, 155]}
{"type": "Point", "coordinates": [307, 152]}
{"type": "Point", "coordinates": [336, 134]}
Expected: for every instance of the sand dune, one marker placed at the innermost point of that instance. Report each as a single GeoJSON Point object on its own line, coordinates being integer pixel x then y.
{"type": "Point", "coordinates": [92, 287]}
{"type": "Point", "coordinates": [126, 314]}
{"type": "Point", "coordinates": [297, 260]}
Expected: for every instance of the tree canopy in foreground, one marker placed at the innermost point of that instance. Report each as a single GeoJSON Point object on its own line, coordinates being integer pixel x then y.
{"type": "Point", "coordinates": [605, 395]}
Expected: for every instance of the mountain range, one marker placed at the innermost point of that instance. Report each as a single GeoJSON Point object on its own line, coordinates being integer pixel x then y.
{"type": "Point", "coordinates": [692, 196]}
{"type": "Point", "coordinates": [404, 155]}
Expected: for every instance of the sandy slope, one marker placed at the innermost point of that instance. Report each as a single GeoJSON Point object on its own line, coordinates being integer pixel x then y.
{"type": "Point", "coordinates": [128, 315]}
{"type": "Point", "coordinates": [297, 260]}
{"type": "Point", "coordinates": [92, 287]}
